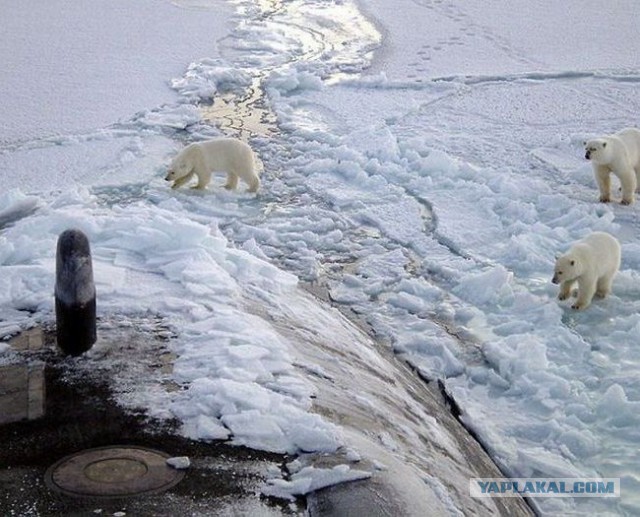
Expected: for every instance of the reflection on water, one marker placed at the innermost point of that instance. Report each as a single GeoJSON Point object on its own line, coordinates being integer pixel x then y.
{"type": "Point", "coordinates": [335, 36]}
{"type": "Point", "coordinates": [201, 5]}
{"type": "Point", "coordinates": [22, 386]}
{"type": "Point", "coordinates": [244, 115]}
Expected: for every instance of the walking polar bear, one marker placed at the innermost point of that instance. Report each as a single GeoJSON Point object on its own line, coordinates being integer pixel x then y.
{"type": "Point", "coordinates": [201, 159]}
{"type": "Point", "coordinates": [618, 154]}
{"type": "Point", "coordinates": [591, 262]}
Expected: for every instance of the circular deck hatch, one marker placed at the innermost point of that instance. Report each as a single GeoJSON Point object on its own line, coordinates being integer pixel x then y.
{"type": "Point", "coordinates": [120, 471]}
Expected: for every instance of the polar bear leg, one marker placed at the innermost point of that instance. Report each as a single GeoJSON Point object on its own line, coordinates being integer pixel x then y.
{"type": "Point", "coordinates": [181, 181]}
{"type": "Point", "coordinates": [586, 290]}
{"type": "Point", "coordinates": [601, 173]}
{"type": "Point", "coordinates": [565, 290]}
{"type": "Point", "coordinates": [232, 181]}
{"type": "Point", "coordinates": [254, 184]}
{"type": "Point", "coordinates": [628, 182]}
{"type": "Point", "coordinates": [603, 287]}
{"type": "Point", "coordinates": [203, 180]}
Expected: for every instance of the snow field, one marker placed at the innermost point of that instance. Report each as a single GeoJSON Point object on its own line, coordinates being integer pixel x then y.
{"type": "Point", "coordinates": [429, 197]}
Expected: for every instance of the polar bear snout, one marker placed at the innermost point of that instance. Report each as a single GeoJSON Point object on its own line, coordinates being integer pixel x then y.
{"type": "Point", "coordinates": [595, 150]}
{"type": "Point", "coordinates": [555, 279]}
{"type": "Point", "coordinates": [590, 152]}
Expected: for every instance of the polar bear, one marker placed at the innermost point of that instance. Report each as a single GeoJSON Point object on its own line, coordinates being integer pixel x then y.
{"type": "Point", "coordinates": [592, 262]}
{"type": "Point", "coordinates": [201, 159]}
{"type": "Point", "coordinates": [619, 154]}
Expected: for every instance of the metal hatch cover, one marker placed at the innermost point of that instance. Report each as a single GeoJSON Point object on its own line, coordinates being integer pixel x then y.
{"type": "Point", "coordinates": [113, 472]}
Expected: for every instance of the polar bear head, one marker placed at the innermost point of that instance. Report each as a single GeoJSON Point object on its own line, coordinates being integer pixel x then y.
{"type": "Point", "coordinates": [568, 267]}
{"type": "Point", "coordinates": [178, 168]}
{"type": "Point", "coordinates": [183, 163]}
{"type": "Point", "coordinates": [597, 150]}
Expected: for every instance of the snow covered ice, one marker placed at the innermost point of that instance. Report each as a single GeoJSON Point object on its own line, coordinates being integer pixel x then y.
{"type": "Point", "coordinates": [425, 169]}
